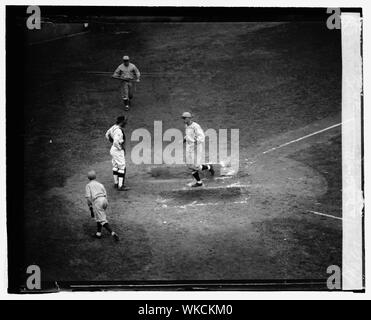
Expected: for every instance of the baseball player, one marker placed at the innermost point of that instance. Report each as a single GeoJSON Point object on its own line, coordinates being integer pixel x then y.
{"type": "Point", "coordinates": [127, 73]}
{"type": "Point", "coordinates": [116, 136]}
{"type": "Point", "coordinates": [96, 197]}
{"type": "Point", "coordinates": [194, 137]}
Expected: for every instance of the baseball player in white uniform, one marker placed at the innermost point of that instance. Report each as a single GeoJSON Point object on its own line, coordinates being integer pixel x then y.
{"type": "Point", "coordinates": [127, 72]}
{"type": "Point", "coordinates": [96, 197]}
{"type": "Point", "coordinates": [116, 136]}
{"type": "Point", "coordinates": [194, 140]}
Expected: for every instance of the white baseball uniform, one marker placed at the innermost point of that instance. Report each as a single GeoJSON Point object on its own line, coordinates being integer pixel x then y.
{"type": "Point", "coordinates": [117, 151]}
{"type": "Point", "coordinates": [127, 73]}
{"type": "Point", "coordinates": [195, 138]}
{"type": "Point", "coordinates": [96, 197]}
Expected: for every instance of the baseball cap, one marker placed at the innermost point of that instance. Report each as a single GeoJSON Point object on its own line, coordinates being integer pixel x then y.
{"type": "Point", "coordinates": [125, 58]}
{"type": "Point", "coordinates": [121, 119]}
{"type": "Point", "coordinates": [92, 175]}
{"type": "Point", "coordinates": [186, 115]}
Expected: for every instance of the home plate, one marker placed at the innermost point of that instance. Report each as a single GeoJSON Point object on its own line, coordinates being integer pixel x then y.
{"type": "Point", "coordinates": [198, 204]}
{"type": "Point", "coordinates": [182, 171]}
{"type": "Point", "coordinates": [207, 194]}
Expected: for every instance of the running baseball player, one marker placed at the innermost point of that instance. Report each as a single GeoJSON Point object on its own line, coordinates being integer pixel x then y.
{"type": "Point", "coordinates": [127, 73]}
{"type": "Point", "coordinates": [96, 197]}
{"type": "Point", "coordinates": [195, 137]}
{"type": "Point", "coordinates": [116, 136]}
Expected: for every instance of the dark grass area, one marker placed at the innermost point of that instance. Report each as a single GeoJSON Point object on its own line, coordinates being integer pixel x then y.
{"type": "Point", "coordinates": [264, 80]}
{"type": "Point", "coordinates": [287, 235]}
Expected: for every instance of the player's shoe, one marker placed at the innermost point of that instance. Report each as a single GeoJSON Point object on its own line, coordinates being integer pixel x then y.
{"type": "Point", "coordinates": [127, 107]}
{"type": "Point", "coordinates": [96, 236]}
{"type": "Point", "coordinates": [212, 171]}
{"type": "Point", "coordinates": [123, 188]}
{"type": "Point", "coordinates": [116, 186]}
{"type": "Point", "coordinates": [116, 237]}
{"type": "Point", "coordinates": [197, 184]}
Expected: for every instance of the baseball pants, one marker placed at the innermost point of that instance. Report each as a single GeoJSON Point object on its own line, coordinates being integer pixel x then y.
{"type": "Point", "coordinates": [99, 207]}
{"type": "Point", "coordinates": [126, 90]}
{"type": "Point", "coordinates": [195, 156]}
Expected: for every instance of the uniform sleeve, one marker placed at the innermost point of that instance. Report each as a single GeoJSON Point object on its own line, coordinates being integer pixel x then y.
{"type": "Point", "coordinates": [88, 195]}
{"type": "Point", "coordinates": [136, 71]}
{"type": "Point", "coordinates": [117, 72]}
{"type": "Point", "coordinates": [118, 139]}
{"type": "Point", "coordinates": [187, 138]}
{"type": "Point", "coordinates": [199, 134]}
{"type": "Point", "coordinates": [108, 133]}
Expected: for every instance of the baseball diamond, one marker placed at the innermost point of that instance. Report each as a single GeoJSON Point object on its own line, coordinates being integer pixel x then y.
{"type": "Point", "coordinates": [279, 83]}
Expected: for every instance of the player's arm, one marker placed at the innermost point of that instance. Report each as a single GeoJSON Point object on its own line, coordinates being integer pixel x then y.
{"type": "Point", "coordinates": [108, 135]}
{"type": "Point", "coordinates": [187, 138]}
{"type": "Point", "coordinates": [88, 197]}
{"type": "Point", "coordinates": [117, 73]}
{"type": "Point", "coordinates": [89, 200]}
{"type": "Point", "coordinates": [118, 140]}
{"type": "Point", "coordinates": [137, 73]}
{"type": "Point", "coordinates": [199, 135]}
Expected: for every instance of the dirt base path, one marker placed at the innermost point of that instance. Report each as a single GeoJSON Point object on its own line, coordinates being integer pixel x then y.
{"type": "Point", "coordinates": [255, 225]}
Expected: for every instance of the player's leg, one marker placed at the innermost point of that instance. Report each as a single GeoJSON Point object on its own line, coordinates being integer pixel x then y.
{"type": "Point", "coordinates": [190, 160]}
{"type": "Point", "coordinates": [98, 218]}
{"type": "Point", "coordinates": [200, 160]}
{"type": "Point", "coordinates": [112, 233]}
{"type": "Point", "coordinates": [115, 172]}
{"type": "Point", "coordinates": [120, 159]}
{"type": "Point", "coordinates": [130, 92]}
{"type": "Point", "coordinates": [122, 91]}
{"type": "Point", "coordinates": [114, 168]}
{"type": "Point", "coordinates": [125, 93]}
{"type": "Point", "coordinates": [98, 234]}
{"type": "Point", "coordinates": [122, 175]}
{"type": "Point", "coordinates": [208, 167]}
{"type": "Point", "coordinates": [196, 175]}
{"type": "Point", "coordinates": [102, 204]}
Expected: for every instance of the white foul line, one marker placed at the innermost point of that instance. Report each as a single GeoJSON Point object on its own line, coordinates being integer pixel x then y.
{"type": "Point", "coordinates": [307, 136]}
{"type": "Point", "coordinates": [325, 215]}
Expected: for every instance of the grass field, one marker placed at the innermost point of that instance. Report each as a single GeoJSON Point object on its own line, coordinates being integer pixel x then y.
{"type": "Point", "coordinates": [276, 82]}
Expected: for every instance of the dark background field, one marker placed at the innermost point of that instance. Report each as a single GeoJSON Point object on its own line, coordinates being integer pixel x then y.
{"type": "Point", "coordinates": [274, 81]}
